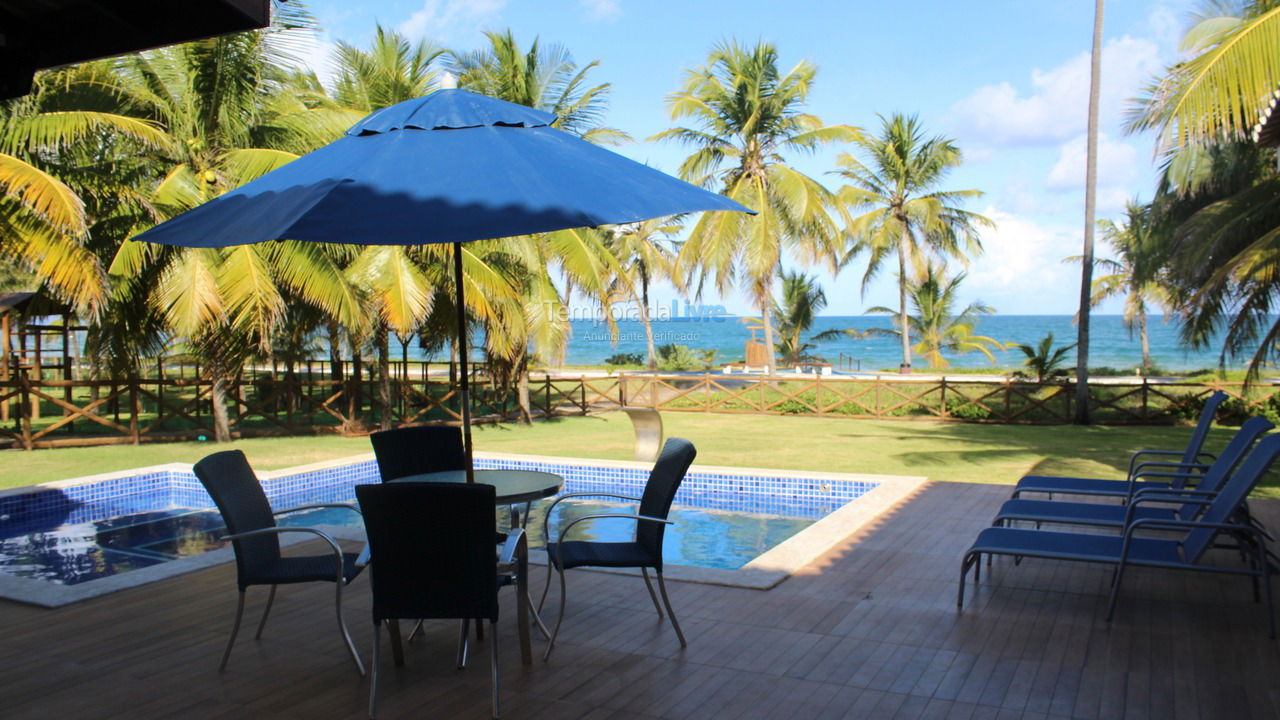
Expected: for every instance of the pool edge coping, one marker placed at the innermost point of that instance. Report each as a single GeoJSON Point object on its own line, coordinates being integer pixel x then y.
{"type": "Point", "coordinates": [761, 573]}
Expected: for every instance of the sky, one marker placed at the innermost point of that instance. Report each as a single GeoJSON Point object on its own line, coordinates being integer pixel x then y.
{"type": "Point", "coordinates": [1007, 80]}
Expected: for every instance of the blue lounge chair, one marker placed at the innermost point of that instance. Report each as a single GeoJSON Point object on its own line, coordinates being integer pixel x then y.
{"type": "Point", "coordinates": [1190, 464]}
{"type": "Point", "coordinates": [1184, 553]}
{"type": "Point", "coordinates": [1111, 515]}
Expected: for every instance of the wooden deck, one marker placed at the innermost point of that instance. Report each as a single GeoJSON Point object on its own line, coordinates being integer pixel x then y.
{"type": "Point", "coordinates": [869, 631]}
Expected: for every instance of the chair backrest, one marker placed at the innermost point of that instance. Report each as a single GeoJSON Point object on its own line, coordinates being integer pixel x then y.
{"type": "Point", "coordinates": [1233, 493]}
{"type": "Point", "coordinates": [1228, 459]}
{"type": "Point", "coordinates": [431, 549]}
{"type": "Point", "coordinates": [418, 449]}
{"type": "Point", "coordinates": [235, 489]}
{"type": "Point", "coordinates": [673, 462]}
{"type": "Point", "coordinates": [1201, 433]}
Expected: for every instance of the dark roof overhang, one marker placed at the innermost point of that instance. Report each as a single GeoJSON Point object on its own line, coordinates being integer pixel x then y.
{"type": "Point", "coordinates": [37, 34]}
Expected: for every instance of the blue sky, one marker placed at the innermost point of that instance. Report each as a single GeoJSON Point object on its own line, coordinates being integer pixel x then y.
{"type": "Point", "coordinates": [1007, 79]}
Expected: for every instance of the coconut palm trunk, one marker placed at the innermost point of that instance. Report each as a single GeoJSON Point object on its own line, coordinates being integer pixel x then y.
{"type": "Point", "coordinates": [904, 322]}
{"type": "Point", "coordinates": [764, 298]}
{"type": "Point", "coordinates": [218, 398]}
{"type": "Point", "coordinates": [384, 379]}
{"type": "Point", "coordinates": [1090, 193]}
{"type": "Point", "coordinates": [1146, 343]}
{"type": "Point", "coordinates": [651, 362]}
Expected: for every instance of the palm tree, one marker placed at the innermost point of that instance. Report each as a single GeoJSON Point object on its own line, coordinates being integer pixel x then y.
{"type": "Point", "coordinates": [1128, 275]}
{"type": "Point", "coordinates": [646, 252]}
{"type": "Point", "coordinates": [54, 185]}
{"type": "Point", "coordinates": [1218, 94]}
{"type": "Point", "coordinates": [901, 211]}
{"type": "Point", "coordinates": [546, 78]}
{"type": "Point", "coordinates": [543, 77]}
{"type": "Point", "coordinates": [936, 323]}
{"type": "Point", "coordinates": [1044, 359]}
{"type": "Point", "coordinates": [397, 292]}
{"type": "Point", "coordinates": [1217, 210]}
{"type": "Point", "coordinates": [222, 105]}
{"type": "Point", "coordinates": [1090, 195]}
{"type": "Point", "coordinates": [747, 116]}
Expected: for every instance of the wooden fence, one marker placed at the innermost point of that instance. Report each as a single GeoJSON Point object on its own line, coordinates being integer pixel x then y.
{"type": "Point", "coordinates": [178, 405]}
{"type": "Point", "coordinates": [175, 403]}
{"type": "Point", "coordinates": [997, 400]}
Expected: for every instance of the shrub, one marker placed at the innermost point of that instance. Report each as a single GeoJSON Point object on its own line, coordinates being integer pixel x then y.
{"type": "Point", "coordinates": [624, 359]}
{"type": "Point", "coordinates": [968, 411]}
{"type": "Point", "coordinates": [676, 358]}
{"type": "Point", "coordinates": [794, 407]}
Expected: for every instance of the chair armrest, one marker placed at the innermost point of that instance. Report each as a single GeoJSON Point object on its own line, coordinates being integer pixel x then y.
{"type": "Point", "coordinates": [1155, 497]}
{"type": "Point", "coordinates": [319, 506]}
{"type": "Point", "coordinates": [1154, 524]}
{"type": "Point", "coordinates": [598, 516]}
{"type": "Point", "coordinates": [1133, 459]}
{"type": "Point", "coordinates": [1168, 463]}
{"type": "Point", "coordinates": [1177, 492]}
{"type": "Point", "coordinates": [516, 543]}
{"type": "Point", "coordinates": [1185, 525]}
{"type": "Point", "coordinates": [1135, 482]}
{"type": "Point", "coordinates": [546, 532]}
{"type": "Point", "coordinates": [333, 544]}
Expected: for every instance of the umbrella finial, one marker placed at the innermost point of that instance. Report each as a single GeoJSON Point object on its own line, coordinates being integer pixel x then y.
{"type": "Point", "coordinates": [448, 81]}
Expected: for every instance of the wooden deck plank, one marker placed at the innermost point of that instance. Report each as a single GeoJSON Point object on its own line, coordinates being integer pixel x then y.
{"type": "Point", "coordinates": [868, 631]}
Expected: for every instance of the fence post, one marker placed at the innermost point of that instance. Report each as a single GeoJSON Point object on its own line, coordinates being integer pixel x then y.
{"type": "Point", "coordinates": [622, 390]}
{"type": "Point", "coordinates": [547, 380]}
{"type": "Point", "coordinates": [135, 409]}
{"type": "Point", "coordinates": [946, 411]}
{"type": "Point", "coordinates": [1145, 411]}
{"type": "Point", "coordinates": [24, 407]}
{"type": "Point", "coordinates": [582, 379]}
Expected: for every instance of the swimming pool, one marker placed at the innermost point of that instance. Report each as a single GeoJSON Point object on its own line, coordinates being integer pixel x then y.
{"type": "Point", "coordinates": [96, 529]}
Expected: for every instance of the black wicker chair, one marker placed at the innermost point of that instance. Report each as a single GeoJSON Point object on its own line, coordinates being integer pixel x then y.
{"type": "Point", "coordinates": [253, 533]}
{"type": "Point", "coordinates": [431, 557]}
{"type": "Point", "coordinates": [418, 449]}
{"type": "Point", "coordinates": [644, 552]}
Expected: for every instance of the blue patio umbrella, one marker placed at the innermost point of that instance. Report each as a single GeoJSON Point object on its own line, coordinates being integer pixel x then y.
{"type": "Point", "coordinates": [446, 168]}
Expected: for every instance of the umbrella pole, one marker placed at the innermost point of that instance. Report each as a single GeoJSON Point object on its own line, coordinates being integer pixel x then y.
{"type": "Point", "coordinates": [465, 386]}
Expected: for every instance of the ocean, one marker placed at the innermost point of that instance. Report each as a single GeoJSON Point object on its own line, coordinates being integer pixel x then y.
{"type": "Point", "coordinates": [1111, 345]}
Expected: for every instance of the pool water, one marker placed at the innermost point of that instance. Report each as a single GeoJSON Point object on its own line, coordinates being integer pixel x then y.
{"type": "Point", "coordinates": [79, 533]}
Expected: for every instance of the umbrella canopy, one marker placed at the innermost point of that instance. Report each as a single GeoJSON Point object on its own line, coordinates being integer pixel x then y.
{"type": "Point", "coordinates": [449, 167]}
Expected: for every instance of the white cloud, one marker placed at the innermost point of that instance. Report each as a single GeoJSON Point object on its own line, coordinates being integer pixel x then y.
{"type": "Point", "coordinates": [1021, 269]}
{"type": "Point", "coordinates": [1117, 164]}
{"type": "Point", "coordinates": [451, 20]}
{"type": "Point", "coordinates": [1057, 105]}
{"type": "Point", "coordinates": [602, 10]}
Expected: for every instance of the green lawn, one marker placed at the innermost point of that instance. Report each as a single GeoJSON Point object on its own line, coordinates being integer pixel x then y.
{"type": "Point", "coordinates": [940, 451]}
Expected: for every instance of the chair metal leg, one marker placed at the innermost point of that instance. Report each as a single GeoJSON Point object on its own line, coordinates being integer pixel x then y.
{"type": "Point", "coordinates": [373, 679]}
{"type": "Point", "coordinates": [662, 585]}
{"type": "Point", "coordinates": [271, 598]}
{"type": "Point", "coordinates": [462, 643]}
{"type": "Point", "coordinates": [1115, 590]}
{"type": "Point", "coordinates": [235, 628]}
{"type": "Point", "coordinates": [493, 666]}
{"type": "Point", "coordinates": [550, 568]}
{"type": "Point", "coordinates": [1266, 588]}
{"type": "Point", "coordinates": [968, 561]}
{"type": "Point", "coordinates": [652, 595]}
{"type": "Point", "coordinates": [417, 628]}
{"type": "Point", "coordinates": [346, 636]}
{"type": "Point", "coordinates": [551, 642]}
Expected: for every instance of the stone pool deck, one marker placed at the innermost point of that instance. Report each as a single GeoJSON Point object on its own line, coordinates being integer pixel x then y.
{"type": "Point", "coordinates": [868, 630]}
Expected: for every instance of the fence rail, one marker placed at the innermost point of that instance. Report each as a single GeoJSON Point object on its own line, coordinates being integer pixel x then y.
{"type": "Point", "coordinates": [173, 406]}
{"type": "Point", "coordinates": [177, 404]}
{"type": "Point", "coordinates": [996, 400]}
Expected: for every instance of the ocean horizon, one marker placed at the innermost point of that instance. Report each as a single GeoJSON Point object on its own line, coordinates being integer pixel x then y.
{"type": "Point", "coordinates": [1111, 343]}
